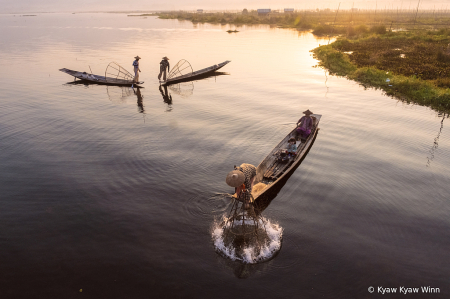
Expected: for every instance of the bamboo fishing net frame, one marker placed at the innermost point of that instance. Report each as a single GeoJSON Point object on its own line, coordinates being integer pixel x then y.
{"type": "Point", "coordinates": [182, 68]}
{"type": "Point", "coordinates": [117, 72]}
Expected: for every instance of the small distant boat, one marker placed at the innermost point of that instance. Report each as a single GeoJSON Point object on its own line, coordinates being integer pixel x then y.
{"type": "Point", "coordinates": [274, 170]}
{"type": "Point", "coordinates": [114, 75]}
{"type": "Point", "coordinates": [183, 72]}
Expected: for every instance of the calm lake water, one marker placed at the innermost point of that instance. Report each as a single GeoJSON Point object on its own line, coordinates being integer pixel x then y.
{"type": "Point", "coordinates": [116, 193]}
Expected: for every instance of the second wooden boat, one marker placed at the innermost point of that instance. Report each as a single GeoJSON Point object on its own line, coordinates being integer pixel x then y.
{"type": "Point", "coordinates": [273, 171]}
{"type": "Point", "coordinates": [183, 72]}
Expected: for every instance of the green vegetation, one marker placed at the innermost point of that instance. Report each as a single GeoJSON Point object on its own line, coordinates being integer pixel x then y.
{"type": "Point", "coordinates": [326, 21]}
{"type": "Point", "coordinates": [414, 67]}
{"type": "Point", "coordinates": [143, 15]}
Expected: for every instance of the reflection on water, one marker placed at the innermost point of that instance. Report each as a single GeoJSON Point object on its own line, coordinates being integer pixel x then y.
{"type": "Point", "coordinates": [117, 94]}
{"type": "Point", "coordinates": [183, 89]}
{"type": "Point", "coordinates": [140, 98]}
{"type": "Point", "coordinates": [436, 141]}
{"type": "Point", "coordinates": [167, 97]}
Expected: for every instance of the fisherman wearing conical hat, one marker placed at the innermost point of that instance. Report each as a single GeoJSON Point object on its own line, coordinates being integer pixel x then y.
{"type": "Point", "coordinates": [304, 124]}
{"type": "Point", "coordinates": [162, 68]}
{"type": "Point", "coordinates": [242, 178]}
{"type": "Point", "coordinates": [136, 69]}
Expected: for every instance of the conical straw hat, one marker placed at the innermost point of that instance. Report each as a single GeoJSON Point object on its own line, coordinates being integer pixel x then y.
{"type": "Point", "coordinates": [307, 112]}
{"type": "Point", "coordinates": [235, 178]}
{"type": "Point", "coordinates": [137, 57]}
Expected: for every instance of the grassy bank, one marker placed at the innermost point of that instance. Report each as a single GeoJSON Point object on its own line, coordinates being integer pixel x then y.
{"type": "Point", "coordinates": [414, 67]}
{"type": "Point", "coordinates": [323, 22]}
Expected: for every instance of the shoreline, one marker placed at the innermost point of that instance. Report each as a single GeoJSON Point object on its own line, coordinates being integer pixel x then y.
{"type": "Point", "coordinates": [422, 79]}
{"type": "Point", "coordinates": [427, 82]}
{"type": "Point", "coordinates": [321, 21]}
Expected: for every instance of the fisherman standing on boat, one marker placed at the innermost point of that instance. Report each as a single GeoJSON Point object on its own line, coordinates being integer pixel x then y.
{"type": "Point", "coordinates": [162, 68]}
{"type": "Point", "coordinates": [136, 69]}
{"type": "Point", "coordinates": [304, 124]}
{"type": "Point", "coordinates": [242, 179]}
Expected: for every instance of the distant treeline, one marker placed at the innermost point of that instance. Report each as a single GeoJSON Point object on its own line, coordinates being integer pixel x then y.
{"type": "Point", "coordinates": [324, 21]}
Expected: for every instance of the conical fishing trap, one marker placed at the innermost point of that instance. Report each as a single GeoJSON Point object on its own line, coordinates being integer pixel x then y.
{"type": "Point", "coordinates": [115, 71]}
{"type": "Point", "coordinates": [182, 68]}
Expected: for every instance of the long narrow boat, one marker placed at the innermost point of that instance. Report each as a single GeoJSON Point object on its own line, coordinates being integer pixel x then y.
{"type": "Point", "coordinates": [114, 75]}
{"type": "Point", "coordinates": [183, 72]}
{"type": "Point", "coordinates": [272, 172]}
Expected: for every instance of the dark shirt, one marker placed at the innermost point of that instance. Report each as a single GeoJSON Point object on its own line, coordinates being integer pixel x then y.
{"type": "Point", "coordinates": [249, 173]}
{"type": "Point", "coordinates": [165, 64]}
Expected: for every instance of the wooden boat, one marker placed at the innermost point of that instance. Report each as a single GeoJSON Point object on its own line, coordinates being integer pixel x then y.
{"type": "Point", "coordinates": [182, 72]}
{"type": "Point", "coordinates": [273, 172]}
{"type": "Point", "coordinates": [114, 75]}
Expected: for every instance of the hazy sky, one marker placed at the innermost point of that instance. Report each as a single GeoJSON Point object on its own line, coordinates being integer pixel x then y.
{"type": "Point", "coordinates": [23, 6]}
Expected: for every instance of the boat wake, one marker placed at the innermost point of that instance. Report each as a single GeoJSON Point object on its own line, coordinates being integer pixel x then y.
{"type": "Point", "coordinates": [254, 250]}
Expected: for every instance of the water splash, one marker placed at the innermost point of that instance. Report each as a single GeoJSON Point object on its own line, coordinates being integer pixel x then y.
{"type": "Point", "coordinates": [252, 252]}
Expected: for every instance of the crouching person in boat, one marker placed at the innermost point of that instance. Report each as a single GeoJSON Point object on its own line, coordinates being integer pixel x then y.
{"type": "Point", "coordinates": [136, 69]}
{"type": "Point", "coordinates": [292, 147]}
{"type": "Point", "coordinates": [242, 178]}
{"type": "Point", "coordinates": [304, 125]}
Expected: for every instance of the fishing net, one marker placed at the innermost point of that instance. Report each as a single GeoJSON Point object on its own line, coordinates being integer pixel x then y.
{"type": "Point", "coordinates": [183, 67]}
{"type": "Point", "coordinates": [261, 244]}
{"type": "Point", "coordinates": [185, 89]}
{"type": "Point", "coordinates": [115, 71]}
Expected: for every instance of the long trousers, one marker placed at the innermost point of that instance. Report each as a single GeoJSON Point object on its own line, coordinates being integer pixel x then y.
{"type": "Point", "coordinates": [136, 74]}
{"type": "Point", "coordinates": [162, 71]}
